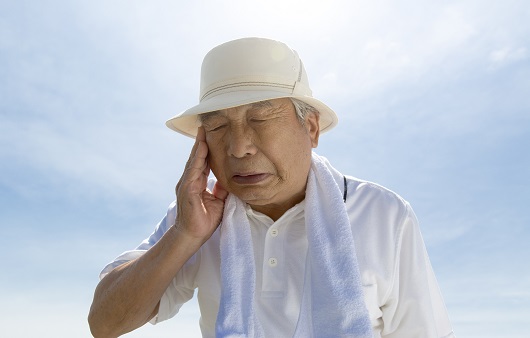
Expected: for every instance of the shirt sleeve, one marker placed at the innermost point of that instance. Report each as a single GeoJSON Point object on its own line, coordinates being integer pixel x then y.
{"type": "Point", "coordinates": [146, 244]}
{"type": "Point", "coordinates": [181, 288]}
{"type": "Point", "coordinates": [414, 307]}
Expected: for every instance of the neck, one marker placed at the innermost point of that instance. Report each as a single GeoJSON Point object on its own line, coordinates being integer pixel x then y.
{"type": "Point", "coordinates": [275, 211]}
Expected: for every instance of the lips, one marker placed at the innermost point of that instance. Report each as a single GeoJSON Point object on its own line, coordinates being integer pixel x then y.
{"type": "Point", "coordinates": [249, 178]}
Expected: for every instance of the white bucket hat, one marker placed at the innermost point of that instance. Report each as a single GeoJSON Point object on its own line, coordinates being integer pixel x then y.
{"type": "Point", "coordinates": [250, 70]}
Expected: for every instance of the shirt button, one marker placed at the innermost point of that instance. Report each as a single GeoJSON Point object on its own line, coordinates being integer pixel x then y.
{"type": "Point", "coordinates": [274, 232]}
{"type": "Point", "coordinates": [273, 262]}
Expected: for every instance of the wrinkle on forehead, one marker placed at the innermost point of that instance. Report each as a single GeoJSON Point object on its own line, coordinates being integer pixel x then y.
{"type": "Point", "coordinates": [261, 104]}
{"type": "Point", "coordinates": [252, 106]}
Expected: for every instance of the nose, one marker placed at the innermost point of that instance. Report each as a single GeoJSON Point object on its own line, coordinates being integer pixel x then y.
{"type": "Point", "coordinates": [240, 142]}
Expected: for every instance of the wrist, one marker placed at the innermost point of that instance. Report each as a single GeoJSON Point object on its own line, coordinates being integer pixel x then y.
{"type": "Point", "coordinates": [187, 237]}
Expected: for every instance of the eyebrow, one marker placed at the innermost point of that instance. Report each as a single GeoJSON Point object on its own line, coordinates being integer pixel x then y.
{"type": "Point", "coordinates": [206, 116]}
{"type": "Point", "coordinates": [261, 104]}
{"type": "Point", "coordinates": [256, 105]}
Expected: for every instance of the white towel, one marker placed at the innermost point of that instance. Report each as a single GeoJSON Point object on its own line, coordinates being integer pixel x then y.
{"type": "Point", "coordinates": [332, 298]}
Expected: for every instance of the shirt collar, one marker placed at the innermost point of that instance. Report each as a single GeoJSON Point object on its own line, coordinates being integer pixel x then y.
{"type": "Point", "coordinates": [294, 213]}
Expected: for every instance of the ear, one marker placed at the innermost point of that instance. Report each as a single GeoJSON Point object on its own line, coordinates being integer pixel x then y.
{"type": "Point", "coordinates": [312, 125]}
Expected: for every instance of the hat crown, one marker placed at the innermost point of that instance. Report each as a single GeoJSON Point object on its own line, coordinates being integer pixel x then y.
{"type": "Point", "coordinates": [251, 62]}
{"type": "Point", "coordinates": [249, 70]}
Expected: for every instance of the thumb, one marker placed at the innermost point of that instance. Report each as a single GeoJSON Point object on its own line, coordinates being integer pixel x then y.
{"type": "Point", "coordinates": [219, 192]}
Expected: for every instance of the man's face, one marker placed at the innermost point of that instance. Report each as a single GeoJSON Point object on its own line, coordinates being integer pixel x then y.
{"type": "Point", "coordinates": [262, 153]}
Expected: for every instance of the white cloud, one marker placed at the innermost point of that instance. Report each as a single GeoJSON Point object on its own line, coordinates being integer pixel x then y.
{"type": "Point", "coordinates": [106, 161]}
{"type": "Point", "coordinates": [507, 55]}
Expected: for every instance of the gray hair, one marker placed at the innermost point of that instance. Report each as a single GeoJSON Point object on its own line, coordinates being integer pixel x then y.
{"type": "Point", "coordinates": [303, 109]}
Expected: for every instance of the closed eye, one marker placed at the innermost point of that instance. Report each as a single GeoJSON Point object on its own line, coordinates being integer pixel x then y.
{"type": "Point", "coordinates": [215, 128]}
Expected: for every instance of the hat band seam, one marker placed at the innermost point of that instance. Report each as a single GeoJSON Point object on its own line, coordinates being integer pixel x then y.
{"type": "Point", "coordinates": [301, 70]}
{"type": "Point", "coordinates": [246, 84]}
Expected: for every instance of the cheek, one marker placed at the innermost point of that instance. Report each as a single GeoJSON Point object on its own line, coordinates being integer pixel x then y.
{"type": "Point", "coordinates": [294, 158]}
{"type": "Point", "coordinates": [217, 170]}
{"type": "Point", "coordinates": [214, 159]}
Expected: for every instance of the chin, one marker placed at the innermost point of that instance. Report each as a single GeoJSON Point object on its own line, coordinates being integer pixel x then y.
{"type": "Point", "coordinates": [254, 196]}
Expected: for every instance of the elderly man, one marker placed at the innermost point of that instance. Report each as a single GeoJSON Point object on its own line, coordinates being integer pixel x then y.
{"type": "Point", "coordinates": [280, 244]}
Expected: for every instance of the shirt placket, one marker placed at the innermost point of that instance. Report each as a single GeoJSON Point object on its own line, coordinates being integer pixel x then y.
{"type": "Point", "coordinates": [273, 263]}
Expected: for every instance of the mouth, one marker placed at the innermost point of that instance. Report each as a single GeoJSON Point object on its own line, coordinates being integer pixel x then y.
{"type": "Point", "coordinates": [249, 178]}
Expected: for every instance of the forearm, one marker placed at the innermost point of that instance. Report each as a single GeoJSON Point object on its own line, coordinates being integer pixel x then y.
{"type": "Point", "coordinates": [129, 295]}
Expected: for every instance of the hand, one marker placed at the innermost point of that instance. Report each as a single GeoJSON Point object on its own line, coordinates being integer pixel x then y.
{"type": "Point", "coordinates": [199, 211]}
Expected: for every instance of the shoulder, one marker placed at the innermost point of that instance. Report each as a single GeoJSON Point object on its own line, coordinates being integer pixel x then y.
{"type": "Point", "coordinates": [365, 195]}
{"type": "Point", "coordinates": [368, 203]}
{"type": "Point", "coordinates": [378, 217]}
{"type": "Point", "coordinates": [361, 194]}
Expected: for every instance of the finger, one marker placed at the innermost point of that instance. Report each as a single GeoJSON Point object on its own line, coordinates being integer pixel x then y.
{"type": "Point", "coordinates": [196, 160]}
{"type": "Point", "coordinates": [202, 151]}
{"type": "Point", "coordinates": [198, 153]}
{"type": "Point", "coordinates": [201, 134]}
{"type": "Point", "coordinates": [201, 137]}
{"type": "Point", "coordinates": [219, 191]}
{"type": "Point", "coordinates": [198, 138]}
{"type": "Point", "coordinates": [206, 169]}
{"type": "Point", "coordinates": [196, 174]}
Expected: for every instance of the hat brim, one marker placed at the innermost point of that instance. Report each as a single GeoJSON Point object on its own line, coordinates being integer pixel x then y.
{"type": "Point", "coordinates": [187, 122]}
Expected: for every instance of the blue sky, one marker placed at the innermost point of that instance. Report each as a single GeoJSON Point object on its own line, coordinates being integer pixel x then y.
{"type": "Point", "coordinates": [433, 103]}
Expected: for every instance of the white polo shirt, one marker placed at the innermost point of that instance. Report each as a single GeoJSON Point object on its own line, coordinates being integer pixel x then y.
{"type": "Point", "coordinates": [400, 289]}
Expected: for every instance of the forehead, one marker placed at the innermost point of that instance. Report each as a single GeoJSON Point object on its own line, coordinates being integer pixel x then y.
{"type": "Point", "coordinates": [263, 106]}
